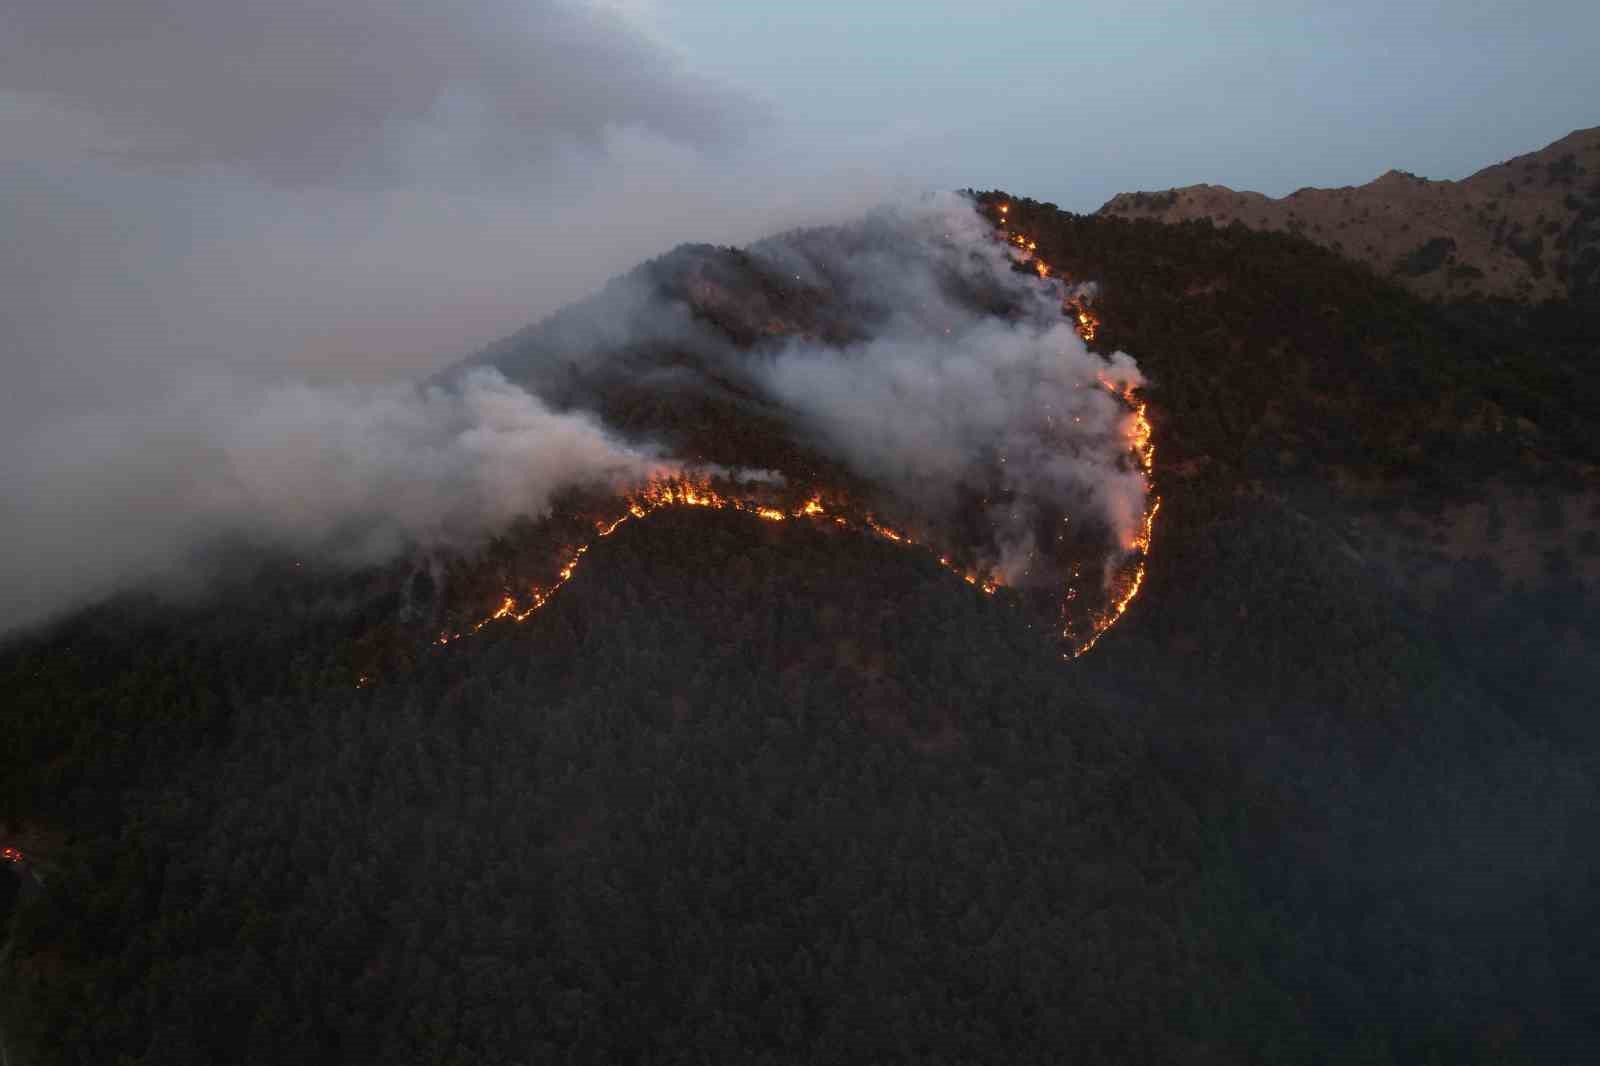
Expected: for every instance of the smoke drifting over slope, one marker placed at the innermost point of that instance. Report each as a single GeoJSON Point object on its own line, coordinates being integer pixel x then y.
{"type": "Point", "coordinates": [905, 348]}
{"type": "Point", "coordinates": [362, 192]}
{"type": "Point", "coordinates": [903, 352]}
{"type": "Point", "coordinates": [351, 474]}
{"type": "Point", "coordinates": [948, 398]}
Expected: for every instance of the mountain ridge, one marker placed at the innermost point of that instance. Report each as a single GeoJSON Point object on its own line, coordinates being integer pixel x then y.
{"type": "Point", "coordinates": [1526, 229]}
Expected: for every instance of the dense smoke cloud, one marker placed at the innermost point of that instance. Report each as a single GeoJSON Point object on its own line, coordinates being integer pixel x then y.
{"type": "Point", "coordinates": [202, 203]}
{"type": "Point", "coordinates": [406, 466]}
{"type": "Point", "coordinates": [946, 396]}
{"type": "Point", "coordinates": [958, 380]}
{"type": "Point", "coordinates": [906, 346]}
{"type": "Point", "coordinates": [350, 474]}
{"type": "Point", "coordinates": [962, 377]}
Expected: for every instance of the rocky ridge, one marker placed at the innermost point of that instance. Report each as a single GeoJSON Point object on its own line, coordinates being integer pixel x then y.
{"type": "Point", "coordinates": [1524, 229]}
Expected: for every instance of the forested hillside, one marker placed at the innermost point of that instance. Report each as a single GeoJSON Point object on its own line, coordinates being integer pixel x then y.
{"type": "Point", "coordinates": [777, 792]}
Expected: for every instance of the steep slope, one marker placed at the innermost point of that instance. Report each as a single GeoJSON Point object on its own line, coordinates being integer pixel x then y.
{"type": "Point", "coordinates": [1526, 229]}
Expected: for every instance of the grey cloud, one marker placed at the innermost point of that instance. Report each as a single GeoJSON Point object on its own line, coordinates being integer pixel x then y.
{"type": "Point", "coordinates": [303, 92]}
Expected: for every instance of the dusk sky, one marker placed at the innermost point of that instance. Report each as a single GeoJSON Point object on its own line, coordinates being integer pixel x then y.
{"type": "Point", "coordinates": [1076, 102]}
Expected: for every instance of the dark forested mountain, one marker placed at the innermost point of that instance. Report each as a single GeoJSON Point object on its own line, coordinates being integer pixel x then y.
{"type": "Point", "coordinates": [780, 792]}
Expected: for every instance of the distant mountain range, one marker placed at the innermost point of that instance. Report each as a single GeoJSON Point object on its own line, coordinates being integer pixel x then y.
{"type": "Point", "coordinates": [1525, 229]}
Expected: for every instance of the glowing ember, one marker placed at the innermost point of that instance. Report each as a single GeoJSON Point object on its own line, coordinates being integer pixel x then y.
{"type": "Point", "coordinates": [886, 533]}
{"type": "Point", "coordinates": [1139, 545]}
{"type": "Point", "coordinates": [682, 492]}
{"type": "Point", "coordinates": [1088, 322]}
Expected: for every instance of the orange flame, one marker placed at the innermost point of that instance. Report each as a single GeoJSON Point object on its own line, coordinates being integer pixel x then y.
{"type": "Point", "coordinates": [10, 855]}
{"type": "Point", "coordinates": [886, 533]}
{"type": "Point", "coordinates": [685, 492]}
{"type": "Point", "coordinates": [1143, 449]}
{"type": "Point", "coordinates": [1088, 321]}
{"type": "Point", "coordinates": [1139, 434]}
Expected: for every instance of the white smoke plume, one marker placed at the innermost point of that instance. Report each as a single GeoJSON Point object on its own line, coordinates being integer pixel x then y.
{"type": "Point", "coordinates": [353, 473]}
{"type": "Point", "coordinates": [947, 396]}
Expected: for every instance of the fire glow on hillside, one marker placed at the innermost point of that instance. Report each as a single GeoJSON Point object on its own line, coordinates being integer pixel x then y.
{"type": "Point", "coordinates": [699, 491]}
{"type": "Point", "coordinates": [1081, 627]}
{"type": "Point", "coordinates": [1124, 580]}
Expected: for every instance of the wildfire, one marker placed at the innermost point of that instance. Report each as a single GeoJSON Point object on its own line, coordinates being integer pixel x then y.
{"type": "Point", "coordinates": [1139, 429]}
{"type": "Point", "coordinates": [1139, 545]}
{"type": "Point", "coordinates": [1088, 321]}
{"type": "Point", "coordinates": [886, 533]}
{"type": "Point", "coordinates": [690, 491]}
{"type": "Point", "coordinates": [10, 854]}
{"type": "Point", "coordinates": [1130, 577]}
{"type": "Point", "coordinates": [687, 492]}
